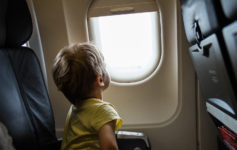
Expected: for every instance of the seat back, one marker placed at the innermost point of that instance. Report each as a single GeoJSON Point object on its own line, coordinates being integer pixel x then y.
{"type": "Point", "coordinates": [204, 21]}
{"type": "Point", "coordinates": [25, 107]}
{"type": "Point", "coordinates": [230, 9]}
{"type": "Point", "coordinates": [200, 18]}
{"type": "Point", "coordinates": [210, 28]}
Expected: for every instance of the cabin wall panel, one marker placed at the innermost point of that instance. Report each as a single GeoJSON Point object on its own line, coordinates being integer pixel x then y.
{"type": "Point", "coordinates": [180, 132]}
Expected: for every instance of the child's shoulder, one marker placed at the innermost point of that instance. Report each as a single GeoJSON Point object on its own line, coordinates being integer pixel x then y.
{"type": "Point", "coordinates": [91, 103]}
{"type": "Point", "coordinates": [95, 102]}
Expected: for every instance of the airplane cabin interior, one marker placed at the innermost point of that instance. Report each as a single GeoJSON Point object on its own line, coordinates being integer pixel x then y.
{"type": "Point", "coordinates": [173, 68]}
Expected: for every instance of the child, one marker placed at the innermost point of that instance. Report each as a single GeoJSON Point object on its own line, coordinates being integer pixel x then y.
{"type": "Point", "coordinates": [79, 72]}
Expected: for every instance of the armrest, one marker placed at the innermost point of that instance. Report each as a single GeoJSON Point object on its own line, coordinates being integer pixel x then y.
{"type": "Point", "coordinates": [132, 140]}
{"type": "Point", "coordinates": [58, 143]}
{"type": "Point", "coordinates": [53, 145]}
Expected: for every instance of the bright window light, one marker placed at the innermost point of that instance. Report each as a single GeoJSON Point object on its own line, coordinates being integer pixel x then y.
{"type": "Point", "coordinates": [129, 44]}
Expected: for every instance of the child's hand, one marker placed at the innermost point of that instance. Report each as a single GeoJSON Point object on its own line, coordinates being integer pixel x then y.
{"type": "Point", "coordinates": [107, 136]}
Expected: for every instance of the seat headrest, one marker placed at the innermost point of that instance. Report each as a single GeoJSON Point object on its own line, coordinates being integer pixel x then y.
{"type": "Point", "coordinates": [200, 15]}
{"type": "Point", "coordinates": [15, 23]}
{"type": "Point", "coordinates": [230, 8]}
{"type": "Point", "coordinates": [3, 8]}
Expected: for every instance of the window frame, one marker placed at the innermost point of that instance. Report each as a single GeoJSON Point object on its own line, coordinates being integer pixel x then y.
{"type": "Point", "coordinates": [131, 8]}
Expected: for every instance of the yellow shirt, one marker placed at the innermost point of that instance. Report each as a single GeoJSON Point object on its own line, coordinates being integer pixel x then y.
{"type": "Point", "coordinates": [84, 122]}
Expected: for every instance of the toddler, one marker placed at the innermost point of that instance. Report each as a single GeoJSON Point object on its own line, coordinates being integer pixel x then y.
{"type": "Point", "coordinates": [79, 72]}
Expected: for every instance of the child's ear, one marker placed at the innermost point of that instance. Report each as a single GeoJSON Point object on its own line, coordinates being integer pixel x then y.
{"type": "Point", "coordinates": [99, 81]}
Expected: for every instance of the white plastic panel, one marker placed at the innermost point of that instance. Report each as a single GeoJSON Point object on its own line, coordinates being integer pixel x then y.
{"type": "Point", "coordinates": [154, 102]}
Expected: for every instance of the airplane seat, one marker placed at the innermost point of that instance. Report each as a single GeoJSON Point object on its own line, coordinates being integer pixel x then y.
{"type": "Point", "coordinates": [230, 31]}
{"type": "Point", "coordinates": [211, 28]}
{"type": "Point", "coordinates": [203, 21]}
{"type": "Point", "coordinates": [200, 19]}
{"type": "Point", "coordinates": [25, 107]}
{"type": "Point", "coordinates": [230, 9]}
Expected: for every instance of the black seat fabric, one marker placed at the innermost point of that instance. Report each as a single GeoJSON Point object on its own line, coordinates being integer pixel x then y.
{"type": "Point", "coordinates": [229, 8]}
{"type": "Point", "coordinates": [211, 30]}
{"type": "Point", "coordinates": [18, 23]}
{"type": "Point", "coordinates": [13, 112]}
{"type": "Point", "coordinates": [230, 37]}
{"type": "Point", "coordinates": [196, 12]}
{"type": "Point", "coordinates": [202, 18]}
{"type": "Point", "coordinates": [25, 107]}
{"type": "Point", "coordinates": [3, 10]}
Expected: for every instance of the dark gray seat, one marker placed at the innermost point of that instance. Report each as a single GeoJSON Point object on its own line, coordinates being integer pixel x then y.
{"type": "Point", "coordinates": [211, 28]}
{"type": "Point", "coordinates": [204, 21]}
{"type": "Point", "coordinates": [25, 107]}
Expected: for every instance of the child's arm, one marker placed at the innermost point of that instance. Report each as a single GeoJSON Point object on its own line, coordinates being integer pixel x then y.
{"type": "Point", "coordinates": [107, 136]}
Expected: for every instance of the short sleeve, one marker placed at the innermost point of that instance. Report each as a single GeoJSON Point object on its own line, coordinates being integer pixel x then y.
{"type": "Point", "coordinates": [104, 114]}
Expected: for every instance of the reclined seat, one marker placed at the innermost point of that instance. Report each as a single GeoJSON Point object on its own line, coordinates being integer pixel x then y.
{"type": "Point", "coordinates": [25, 107]}
{"type": "Point", "coordinates": [211, 28]}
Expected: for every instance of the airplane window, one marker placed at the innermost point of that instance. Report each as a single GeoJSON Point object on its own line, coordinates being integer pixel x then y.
{"type": "Point", "coordinates": [129, 45]}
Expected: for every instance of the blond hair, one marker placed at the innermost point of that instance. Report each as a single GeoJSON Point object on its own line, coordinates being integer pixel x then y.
{"type": "Point", "coordinates": [75, 70]}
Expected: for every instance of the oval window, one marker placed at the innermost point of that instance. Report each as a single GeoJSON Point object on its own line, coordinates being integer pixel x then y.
{"type": "Point", "coordinates": [130, 44]}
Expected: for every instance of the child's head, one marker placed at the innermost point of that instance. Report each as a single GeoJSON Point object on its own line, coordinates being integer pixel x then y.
{"type": "Point", "coordinates": [76, 69]}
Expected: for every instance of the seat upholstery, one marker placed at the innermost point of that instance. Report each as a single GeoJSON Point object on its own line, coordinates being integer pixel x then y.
{"type": "Point", "coordinates": [204, 21]}
{"type": "Point", "coordinates": [214, 55]}
{"type": "Point", "coordinates": [230, 9]}
{"type": "Point", "coordinates": [201, 13]}
{"type": "Point", "coordinates": [25, 108]}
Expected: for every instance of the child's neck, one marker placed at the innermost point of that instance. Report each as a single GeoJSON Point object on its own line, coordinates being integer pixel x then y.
{"type": "Point", "coordinates": [97, 93]}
